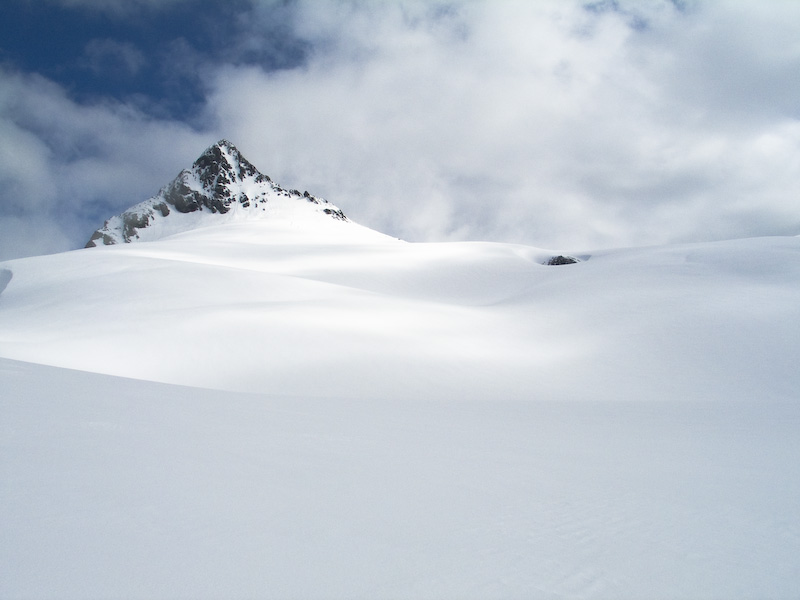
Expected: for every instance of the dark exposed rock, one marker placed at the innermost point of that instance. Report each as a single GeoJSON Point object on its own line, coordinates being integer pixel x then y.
{"type": "Point", "coordinates": [104, 238]}
{"type": "Point", "coordinates": [133, 222]}
{"type": "Point", "coordinates": [215, 171]}
{"type": "Point", "coordinates": [162, 208]}
{"type": "Point", "coordinates": [561, 260]}
{"type": "Point", "coordinates": [335, 213]}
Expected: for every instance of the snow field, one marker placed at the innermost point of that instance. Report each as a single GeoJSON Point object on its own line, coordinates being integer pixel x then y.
{"type": "Point", "coordinates": [312, 409]}
{"type": "Point", "coordinates": [121, 488]}
{"type": "Point", "coordinates": [359, 314]}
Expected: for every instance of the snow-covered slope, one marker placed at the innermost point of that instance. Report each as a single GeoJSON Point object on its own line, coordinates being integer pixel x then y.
{"type": "Point", "coordinates": [332, 308]}
{"type": "Point", "coordinates": [298, 406]}
{"type": "Point", "coordinates": [120, 488]}
{"type": "Point", "coordinates": [221, 186]}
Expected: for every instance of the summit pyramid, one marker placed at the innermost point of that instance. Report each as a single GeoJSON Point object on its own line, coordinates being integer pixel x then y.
{"type": "Point", "coordinates": [221, 186]}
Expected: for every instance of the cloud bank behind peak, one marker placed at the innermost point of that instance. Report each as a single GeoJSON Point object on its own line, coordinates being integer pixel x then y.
{"type": "Point", "coordinates": [562, 125]}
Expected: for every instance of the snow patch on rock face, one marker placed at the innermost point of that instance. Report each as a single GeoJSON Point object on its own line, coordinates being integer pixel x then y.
{"type": "Point", "coordinates": [221, 186]}
{"type": "Point", "coordinates": [5, 278]}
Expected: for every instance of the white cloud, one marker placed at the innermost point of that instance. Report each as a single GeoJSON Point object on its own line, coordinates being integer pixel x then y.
{"type": "Point", "coordinates": [536, 122]}
{"type": "Point", "coordinates": [66, 167]}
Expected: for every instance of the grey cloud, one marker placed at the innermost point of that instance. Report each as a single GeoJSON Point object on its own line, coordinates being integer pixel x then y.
{"type": "Point", "coordinates": [730, 60]}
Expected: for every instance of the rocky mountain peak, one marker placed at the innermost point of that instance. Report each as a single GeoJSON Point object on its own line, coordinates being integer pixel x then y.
{"type": "Point", "coordinates": [222, 164]}
{"type": "Point", "coordinates": [219, 182]}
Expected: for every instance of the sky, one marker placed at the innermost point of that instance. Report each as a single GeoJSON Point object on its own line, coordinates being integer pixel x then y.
{"type": "Point", "coordinates": [570, 125]}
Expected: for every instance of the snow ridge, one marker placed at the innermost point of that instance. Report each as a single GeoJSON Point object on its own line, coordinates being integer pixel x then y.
{"type": "Point", "coordinates": [222, 185]}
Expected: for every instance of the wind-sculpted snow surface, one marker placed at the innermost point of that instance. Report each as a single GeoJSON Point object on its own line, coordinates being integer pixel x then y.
{"type": "Point", "coordinates": [383, 419]}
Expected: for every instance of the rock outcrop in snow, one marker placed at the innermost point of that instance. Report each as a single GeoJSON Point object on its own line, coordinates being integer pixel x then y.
{"type": "Point", "coordinates": [220, 186]}
{"type": "Point", "coordinates": [561, 260]}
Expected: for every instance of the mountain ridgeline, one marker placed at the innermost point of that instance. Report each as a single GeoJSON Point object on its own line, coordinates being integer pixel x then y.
{"type": "Point", "coordinates": [221, 185]}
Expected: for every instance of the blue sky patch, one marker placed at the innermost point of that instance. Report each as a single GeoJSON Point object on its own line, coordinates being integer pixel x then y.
{"type": "Point", "coordinates": [155, 57]}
